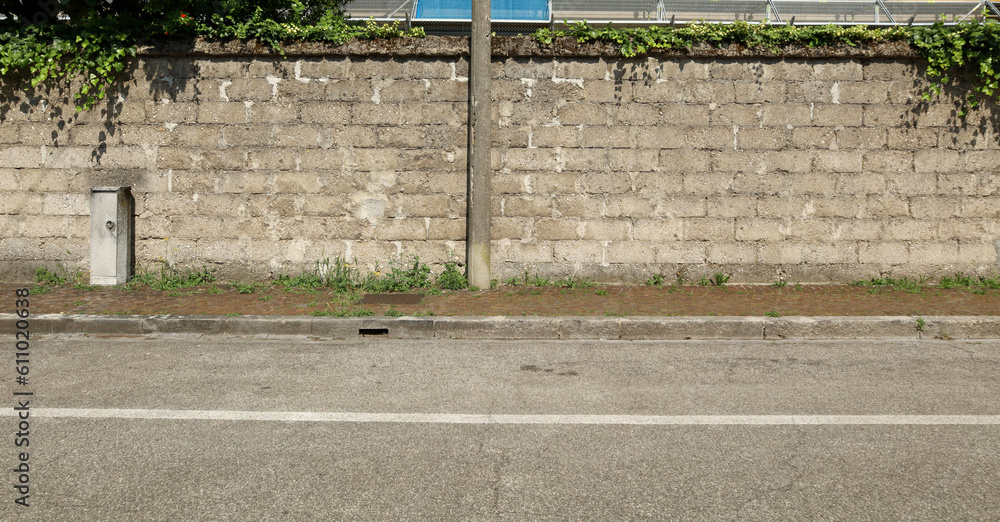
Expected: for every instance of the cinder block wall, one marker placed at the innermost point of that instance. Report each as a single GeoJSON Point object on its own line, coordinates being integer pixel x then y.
{"type": "Point", "coordinates": [818, 168]}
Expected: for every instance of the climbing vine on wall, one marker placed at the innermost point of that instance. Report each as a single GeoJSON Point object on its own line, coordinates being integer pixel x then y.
{"type": "Point", "coordinates": [90, 53]}
{"type": "Point", "coordinates": [971, 47]}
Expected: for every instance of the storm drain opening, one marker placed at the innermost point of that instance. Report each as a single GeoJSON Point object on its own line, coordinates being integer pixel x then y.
{"type": "Point", "coordinates": [368, 332]}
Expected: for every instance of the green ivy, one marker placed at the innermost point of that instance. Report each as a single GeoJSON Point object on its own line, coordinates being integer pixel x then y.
{"type": "Point", "coordinates": [969, 47]}
{"type": "Point", "coordinates": [92, 53]}
{"type": "Point", "coordinates": [635, 41]}
{"type": "Point", "coordinates": [972, 47]}
{"type": "Point", "coordinates": [95, 50]}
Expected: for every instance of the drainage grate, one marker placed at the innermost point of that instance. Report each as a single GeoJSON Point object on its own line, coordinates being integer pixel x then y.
{"type": "Point", "coordinates": [372, 331]}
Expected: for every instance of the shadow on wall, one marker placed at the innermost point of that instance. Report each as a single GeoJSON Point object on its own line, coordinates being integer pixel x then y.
{"type": "Point", "coordinates": [968, 127]}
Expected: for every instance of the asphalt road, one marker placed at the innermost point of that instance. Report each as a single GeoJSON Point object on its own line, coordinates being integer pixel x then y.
{"type": "Point", "coordinates": [172, 429]}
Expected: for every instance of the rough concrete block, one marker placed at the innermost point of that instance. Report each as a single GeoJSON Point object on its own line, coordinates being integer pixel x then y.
{"type": "Point", "coordinates": [840, 328]}
{"type": "Point", "coordinates": [692, 328]}
{"type": "Point", "coordinates": [812, 92]}
{"type": "Point", "coordinates": [961, 327]}
{"type": "Point", "coordinates": [584, 206]}
{"type": "Point", "coordinates": [716, 91]}
{"type": "Point", "coordinates": [883, 253]}
{"type": "Point", "coordinates": [939, 161]}
{"type": "Point", "coordinates": [754, 229]}
{"type": "Point", "coordinates": [631, 252]}
{"type": "Point", "coordinates": [583, 113]}
{"type": "Point", "coordinates": [709, 229]}
{"type": "Point", "coordinates": [731, 253]}
{"type": "Point", "coordinates": [684, 161]}
{"type": "Point", "coordinates": [735, 114]}
{"type": "Point", "coordinates": [765, 91]}
{"type": "Point", "coordinates": [682, 252]}
{"type": "Point", "coordinates": [250, 325]}
{"type": "Point", "coordinates": [712, 138]}
{"type": "Point", "coordinates": [558, 229]}
{"type": "Point", "coordinates": [607, 229]}
{"type": "Point", "coordinates": [837, 161]}
{"type": "Point", "coordinates": [782, 115]}
{"type": "Point", "coordinates": [580, 251]}
{"type": "Point", "coordinates": [496, 327]}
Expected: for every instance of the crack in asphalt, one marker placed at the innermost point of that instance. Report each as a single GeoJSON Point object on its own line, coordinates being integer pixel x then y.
{"type": "Point", "coordinates": [791, 455]}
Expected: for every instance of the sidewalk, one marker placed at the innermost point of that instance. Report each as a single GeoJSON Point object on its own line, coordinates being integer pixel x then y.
{"type": "Point", "coordinates": [522, 312]}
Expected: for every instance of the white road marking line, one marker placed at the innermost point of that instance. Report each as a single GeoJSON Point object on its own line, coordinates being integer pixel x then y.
{"type": "Point", "coordinates": [459, 418]}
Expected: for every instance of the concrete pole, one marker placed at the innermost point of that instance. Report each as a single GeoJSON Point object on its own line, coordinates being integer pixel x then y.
{"type": "Point", "coordinates": [477, 242]}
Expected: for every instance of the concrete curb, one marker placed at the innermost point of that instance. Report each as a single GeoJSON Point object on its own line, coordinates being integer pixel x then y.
{"type": "Point", "coordinates": [518, 327]}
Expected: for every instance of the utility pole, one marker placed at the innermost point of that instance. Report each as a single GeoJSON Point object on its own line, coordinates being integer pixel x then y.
{"type": "Point", "coordinates": [477, 216]}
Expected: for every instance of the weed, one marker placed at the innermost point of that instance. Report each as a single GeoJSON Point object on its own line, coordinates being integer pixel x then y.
{"type": "Point", "coordinates": [704, 281]}
{"type": "Point", "coordinates": [913, 286]}
{"type": "Point", "coordinates": [340, 276]}
{"type": "Point", "coordinates": [79, 303]}
{"type": "Point", "coordinates": [393, 313]}
{"type": "Point", "coordinates": [655, 280]}
{"type": "Point", "coordinates": [86, 288]}
{"type": "Point", "coordinates": [432, 291]}
{"type": "Point", "coordinates": [425, 312]}
{"type": "Point", "coordinates": [772, 313]}
{"type": "Point", "coordinates": [170, 278]}
{"type": "Point", "coordinates": [245, 288]}
{"type": "Point", "coordinates": [779, 283]}
{"type": "Point", "coordinates": [539, 281]}
{"type": "Point", "coordinates": [990, 282]}
{"type": "Point", "coordinates": [719, 279]}
{"type": "Point", "coordinates": [615, 314]}
{"type": "Point", "coordinates": [400, 276]}
{"type": "Point", "coordinates": [529, 280]}
{"type": "Point", "coordinates": [493, 283]}
{"type": "Point", "coordinates": [572, 282]}
{"type": "Point", "coordinates": [601, 291]}
{"type": "Point", "coordinates": [921, 324]}
{"type": "Point", "coordinates": [216, 290]}
{"type": "Point", "coordinates": [958, 280]}
{"type": "Point", "coordinates": [40, 289]}
{"type": "Point", "coordinates": [474, 288]}
{"type": "Point", "coordinates": [306, 281]}
{"type": "Point", "coordinates": [943, 334]}
{"type": "Point", "coordinates": [265, 298]}
{"type": "Point", "coordinates": [451, 278]}
{"type": "Point", "coordinates": [233, 314]}
{"type": "Point", "coordinates": [45, 277]}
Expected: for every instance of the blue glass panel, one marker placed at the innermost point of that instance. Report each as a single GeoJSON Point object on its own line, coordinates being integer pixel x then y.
{"type": "Point", "coordinates": [499, 9]}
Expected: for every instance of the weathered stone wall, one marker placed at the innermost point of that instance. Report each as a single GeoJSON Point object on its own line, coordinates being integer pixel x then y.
{"type": "Point", "coordinates": [813, 168]}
